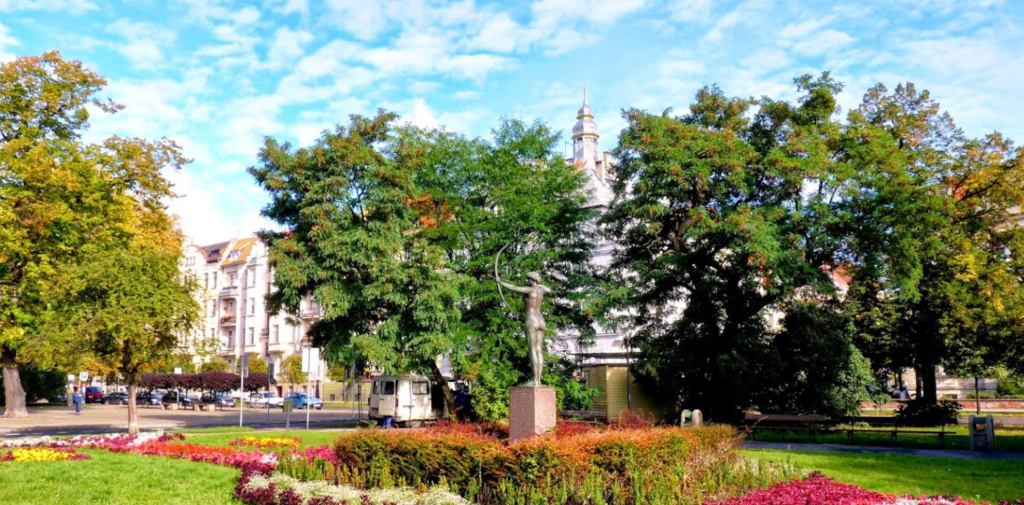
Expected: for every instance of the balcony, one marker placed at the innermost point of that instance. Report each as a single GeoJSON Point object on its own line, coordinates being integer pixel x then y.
{"type": "Point", "coordinates": [227, 321]}
{"type": "Point", "coordinates": [229, 291]}
{"type": "Point", "coordinates": [314, 312]}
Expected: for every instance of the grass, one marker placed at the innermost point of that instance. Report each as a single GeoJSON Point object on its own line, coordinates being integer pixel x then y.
{"type": "Point", "coordinates": [117, 479]}
{"type": "Point", "coordinates": [893, 473]}
{"type": "Point", "coordinates": [309, 438]}
{"type": "Point", "coordinates": [956, 438]}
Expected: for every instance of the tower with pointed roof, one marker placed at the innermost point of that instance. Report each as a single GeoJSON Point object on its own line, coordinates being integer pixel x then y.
{"type": "Point", "coordinates": [584, 138]}
{"type": "Point", "coordinates": [587, 156]}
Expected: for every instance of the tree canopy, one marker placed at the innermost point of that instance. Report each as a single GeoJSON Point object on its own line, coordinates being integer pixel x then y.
{"type": "Point", "coordinates": [64, 203]}
{"type": "Point", "coordinates": [394, 231]}
{"type": "Point", "coordinates": [728, 217]}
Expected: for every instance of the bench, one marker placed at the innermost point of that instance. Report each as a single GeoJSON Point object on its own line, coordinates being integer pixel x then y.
{"type": "Point", "coordinates": [894, 425]}
{"type": "Point", "coordinates": [813, 424]}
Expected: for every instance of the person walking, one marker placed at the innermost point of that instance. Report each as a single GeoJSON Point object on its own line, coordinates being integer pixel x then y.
{"type": "Point", "coordinates": [78, 399]}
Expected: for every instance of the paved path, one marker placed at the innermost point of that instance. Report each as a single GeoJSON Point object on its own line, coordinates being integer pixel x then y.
{"type": "Point", "coordinates": [114, 418]}
{"type": "Point", "coordinates": [925, 453]}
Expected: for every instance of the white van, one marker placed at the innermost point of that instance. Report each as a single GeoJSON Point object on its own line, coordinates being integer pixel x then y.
{"type": "Point", "coordinates": [408, 399]}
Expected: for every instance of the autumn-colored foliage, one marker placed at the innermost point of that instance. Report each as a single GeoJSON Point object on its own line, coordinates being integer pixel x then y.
{"type": "Point", "coordinates": [572, 465]}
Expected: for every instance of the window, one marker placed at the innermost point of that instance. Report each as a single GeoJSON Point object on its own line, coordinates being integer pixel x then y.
{"type": "Point", "coordinates": [231, 280]}
{"type": "Point", "coordinates": [252, 306]}
{"type": "Point", "coordinates": [215, 280]}
{"type": "Point", "coordinates": [277, 334]}
{"type": "Point", "coordinates": [376, 387]}
{"type": "Point", "coordinates": [388, 388]}
{"type": "Point", "coordinates": [206, 281]}
{"type": "Point", "coordinates": [233, 255]}
{"type": "Point", "coordinates": [213, 332]}
{"type": "Point", "coordinates": [252, 277]}
{"type": "Point", "coordinates": [421, 388]}
{"type": "Point", "coordinates": [252, 336]}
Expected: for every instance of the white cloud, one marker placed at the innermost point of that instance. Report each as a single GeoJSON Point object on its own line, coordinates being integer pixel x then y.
{"type": "Point", "coordinates": [468, 94]}
{"type": "Point", "coordinates": [6, 40]}
{"type": "Point", "coordinates": [796, 30]}
{"type": "Point", "coordinates": [73, 6]}
{"type": "Point", "coordinates": [500, 34]}
{"type": "Point", "coordinates": [360, 18]}
{"type": "Point", "coordinates": [296, 6]}
{"type": "Point", "coordinates": [556, 12]}
{"type": "Point", "coordinates": [824, 42]}
{"type": "Point", "coordinates": [690, 11]}
{"type": "Point", "coordinates": [143, 43]}
{"type": "Point", "coordinates": [746, 13]}
{"type": "Point", "coordinates": [287, 47]}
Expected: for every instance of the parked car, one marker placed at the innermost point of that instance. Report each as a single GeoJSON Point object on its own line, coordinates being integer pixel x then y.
{"type": "Point", "coordinates": [222, 400]}
{"type": "Point", "coordinates": [116, 398]}
{"type": "Point", "coordinates": [94, 394]}
{"type": "Point", "coordinates": [302, 400]}
{"type": "Point", "coordinates": [149, 398]}
{"type": "Point", "coordinates": [264, 398]}
{"type": "Point", "coordinates": [185, 401]}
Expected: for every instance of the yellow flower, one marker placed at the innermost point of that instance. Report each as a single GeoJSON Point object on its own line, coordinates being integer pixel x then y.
{"type": "Point", "coordinates": [40, 454]}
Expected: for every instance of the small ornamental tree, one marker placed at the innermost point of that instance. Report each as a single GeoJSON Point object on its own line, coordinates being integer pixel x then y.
{"type": "Point", "coordinates": [291, 370]}
{"type": "Point", "coordinates": [215, 365]}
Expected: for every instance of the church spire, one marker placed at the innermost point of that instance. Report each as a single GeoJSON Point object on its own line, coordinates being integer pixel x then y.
{"type": "Point", "coordinates": [584, 136]}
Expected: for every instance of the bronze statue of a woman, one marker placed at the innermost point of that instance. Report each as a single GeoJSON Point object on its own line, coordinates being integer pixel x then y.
{"type": "Point", "coordinates": [535, 327]}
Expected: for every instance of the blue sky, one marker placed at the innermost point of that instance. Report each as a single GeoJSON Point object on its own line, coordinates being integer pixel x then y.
{"type": "Point", "coordinates": [218, 75]}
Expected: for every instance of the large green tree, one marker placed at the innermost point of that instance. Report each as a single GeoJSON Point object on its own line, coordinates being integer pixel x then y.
{"type": "Point", "coordinates": [394, 231]}
{"type": "Point", "coordinates": [515, 195]}
{"type": "Point", "coordinates": [721, 216]}
{"type": "Point", "coordinates": [935, 237]}
{"type": "Point", "coordinates": [61, 200]}
{"type": "Point", "coordinates": [131, 307]}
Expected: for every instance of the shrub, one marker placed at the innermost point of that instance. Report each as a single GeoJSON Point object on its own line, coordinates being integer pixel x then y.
{"type": "Point", "coordinates": [617, 465]}
{"type": "Point", "coordinates": [921, 412]}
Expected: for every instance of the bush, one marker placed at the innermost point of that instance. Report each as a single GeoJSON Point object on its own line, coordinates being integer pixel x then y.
{"type": "Point", "coordinates": [613, 465]}
{"type": "Point", "coordinates": [921, 412]}
{"type": "Point", "coordinates": [1010, 387]}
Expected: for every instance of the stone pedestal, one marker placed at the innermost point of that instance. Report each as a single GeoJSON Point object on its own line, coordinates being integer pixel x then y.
{"type": "Point", "coordinates": [531, 411]}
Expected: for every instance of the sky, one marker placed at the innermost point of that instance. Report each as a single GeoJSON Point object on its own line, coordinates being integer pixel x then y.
{"type": "Point", "coordinates": [217, 76]}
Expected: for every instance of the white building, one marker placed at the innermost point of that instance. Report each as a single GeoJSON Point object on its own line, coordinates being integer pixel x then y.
{"type": "Point", "coordinates": [599, 166]}
{"type": "Point", "coordinates": [234, 278]}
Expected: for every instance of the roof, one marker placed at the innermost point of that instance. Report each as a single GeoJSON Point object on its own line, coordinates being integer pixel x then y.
{"type": "Point", "coordinates": [213, 251]}
{"type": "Point", "coordinates": [243, 247]}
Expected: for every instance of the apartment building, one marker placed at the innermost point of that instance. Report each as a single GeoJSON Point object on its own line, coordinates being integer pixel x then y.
{"type": "Point", "coordinates": [234, 278]}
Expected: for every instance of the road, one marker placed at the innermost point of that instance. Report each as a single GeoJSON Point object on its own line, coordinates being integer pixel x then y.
{"type": "Point", "coordinates": [114, 418]}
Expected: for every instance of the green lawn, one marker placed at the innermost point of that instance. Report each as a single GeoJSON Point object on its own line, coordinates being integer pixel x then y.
{"type": "Point", "coordinates": [956, 438]}
{"type": "Point", "coordinates": [891, 473]}
{"type": "Point", "coordinates": [309, 438]}
{"type": "Point", "coordinates": [117, 479]}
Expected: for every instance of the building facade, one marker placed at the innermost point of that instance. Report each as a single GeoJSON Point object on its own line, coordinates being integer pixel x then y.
{"type": "Point", "coordinates": [234, 278]}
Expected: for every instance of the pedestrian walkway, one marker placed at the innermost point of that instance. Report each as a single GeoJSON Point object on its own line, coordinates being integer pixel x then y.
{"type": "Point", "coordinates": [905, 451]}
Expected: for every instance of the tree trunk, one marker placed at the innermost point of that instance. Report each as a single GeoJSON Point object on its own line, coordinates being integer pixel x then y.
{"type": "Point", "coordinates": [449, 397]}
{"type": "Point", "coordinates": [133, 408]}
{"type": "Point", "coordinates": [928, 381]}
{"type": "Point", "coordinates": [12, 387]}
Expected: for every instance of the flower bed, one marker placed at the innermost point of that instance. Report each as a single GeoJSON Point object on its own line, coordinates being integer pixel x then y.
{"type": "Point", "coordinates": [614, 466]}
{"type": "Point", "coordinates": [820, 490]}
{"type": "Point", "coordinates": [24, 454]}
{"type": "Point", "coordinates": [267, 443]}
{"type": "Point", "coordinates": [155, 444]}
{"type": "Point", "coordinates": [256, 488]}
